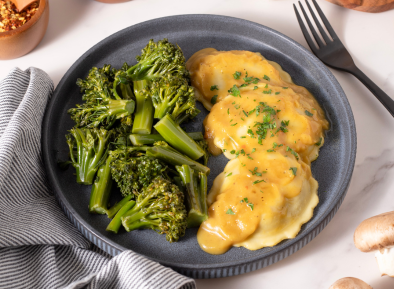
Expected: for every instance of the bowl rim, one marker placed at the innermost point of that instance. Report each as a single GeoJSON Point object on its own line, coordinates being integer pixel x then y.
{"type": "Point", "coordinates": [28, 24]}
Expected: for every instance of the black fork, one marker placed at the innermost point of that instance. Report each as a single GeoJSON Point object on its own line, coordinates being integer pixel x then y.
{"type": "Point", "coordinates": [334, 54]}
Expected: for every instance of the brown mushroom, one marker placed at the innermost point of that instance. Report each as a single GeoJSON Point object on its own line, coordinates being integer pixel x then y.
{"type": "Point", "coordinates": [377, 234]}
{"type": "Point", "coordinates": [350, 283]}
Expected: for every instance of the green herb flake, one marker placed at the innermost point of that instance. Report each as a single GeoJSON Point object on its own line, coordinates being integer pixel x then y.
{"type": "Point", "coordinates": [308, 113]}
{"type": "Point", "coordinates": [258, 181]}
{"type": "Point", "coordinates": [255, 88]}
{"type": "Point", "coordinates": [243, 136]}
{"type": "Point", "coordinates": [266, 77]}
{"type": "Point", "coordinates": [294, 170]}
{"type": "Point", "coordinates": [267, 91]}
{"type": "Point", "coordinates": [234, 91]}
{"type": "Point", "coordinates": [229, 174]}
{"type": "Point", "coordinates": [253, 150]}
{"type": "Point", "coordinates": [228, 111]}
{"type": "Point", "coordinates": [245, 113]}
{"type": "Point", "coordinates": [277, 92]}
{"type": "Point", "coordinates": [288, 149]}
{"type": "Point", "coordinates": [237, 75]}
{"type": "Point", "coordinates": [285, 87]}
{"type": "Point", "coordinates": [214, 87]}
{"type": "Point", "coordinates": [319, 142]}
{"type": "Point", "coordinates": [251, 206]}
{"type": "Point", "coordinates": [266, 85]}
{"type": "Point", "coordinates": [230, 212]}
{"type": "Point", "coordinates": [214, 99]}
{"type": "Point", "coordinates": [234, 124]}
{"type": "Point", "coordinates": [244, 200]}
{"type": "Point", "coordinates": [232, 152]}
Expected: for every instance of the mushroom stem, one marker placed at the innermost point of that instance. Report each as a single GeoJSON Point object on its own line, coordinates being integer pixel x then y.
{"type": "Point", "coordinates": [385, 259]}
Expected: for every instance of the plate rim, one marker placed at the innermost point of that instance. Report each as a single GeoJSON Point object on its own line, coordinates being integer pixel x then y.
{"type": "Point", "coordinates": [230, 268]}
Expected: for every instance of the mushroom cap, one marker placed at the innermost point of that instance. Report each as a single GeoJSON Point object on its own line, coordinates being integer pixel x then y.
{"type": "Point", "coordinates": [350, 283]}
{"type": "Point", "coordinates": [375, 233]}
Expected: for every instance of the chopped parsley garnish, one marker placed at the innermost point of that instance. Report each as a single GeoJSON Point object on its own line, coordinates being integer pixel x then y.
{"type": "Point", "coordinates": [250, 132]}
{"type": "Point", "coordinates": [285, 87]}
{"type": "Point", "coordinates": [288, 149]}
{"type": "Point", "coordinates": [230, 212]}
{"type": "Point", "coordinates": [237, 106]}
{"type": "Point", "coordinates": [234, 91]}
{"type": "Point", "coordinates": [232, 152]}
{"type": "Point", "coordinates": [229, 174]}
{"type": "Point", "coordinates": [266, 77]}
{"type": "Point", "coordinates": [294, 170]}
{"type": "Point", "coordinates": [258, 181]}
{"type": "Point", "coordinates": [234, 124]}
{"type": "Point", "coordinates": [255, 88]}
{"type": "Point", "coordinates": [243, 136]}
{"type": "Point", "coordinates": [255, 172]}
{"type": "Point", "coordinates": [319, 142]}
{"type": "Point", "coordinates": [237, 75]}
{"type": "Point", "coordinates": [245, 113]}
{"type": "Point", "coordinates": [243, 85]}
{"type": "Point", "coordinates": [244, 200]}
{"type": "Point", "coordinates": [228, 111]}
{"type": "Point", "coordinates": [214, 87]}
{"type": "Point", "coordinates": [266, 85]}
{"type": "Point", "coordinates": [214, 99]}
{"type": "Point", "coordinates": [270, 150]}
{"type": "Point", "coordinates": [250, 206]}
{"type": "Point", "coordinates": [308, 113]}
{"type": "Point", "coordinates": [277, 92]}
{"type": "Point", "coordinates": [267, 91]}
{"type": "Point", "coordinates": [253, 150]}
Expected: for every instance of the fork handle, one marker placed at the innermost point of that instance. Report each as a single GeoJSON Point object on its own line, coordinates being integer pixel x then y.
{"type": "Point", "coordinates": [380, 94]}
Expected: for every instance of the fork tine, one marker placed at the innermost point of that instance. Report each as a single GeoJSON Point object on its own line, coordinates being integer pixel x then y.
{"type": "Point", "coordinates": [305, 31]}
{"type": "Point", "coordinates": [322, 32]}
{"type": "Point", "coordinates": [314, 33]}
{"type": "Point", "coordinates": [325, 21]}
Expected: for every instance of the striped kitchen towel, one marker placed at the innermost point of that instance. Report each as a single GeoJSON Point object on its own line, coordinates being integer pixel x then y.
{"type": "Point", "coordinates": [39, 247]}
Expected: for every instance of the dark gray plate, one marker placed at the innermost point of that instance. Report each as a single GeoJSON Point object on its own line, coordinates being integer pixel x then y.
{"type": "Point", "coordinates": [333, 169]}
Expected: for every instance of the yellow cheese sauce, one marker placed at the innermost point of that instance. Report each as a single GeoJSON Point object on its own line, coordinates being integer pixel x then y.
{"type": "Point", "coordinates": [271, 129]}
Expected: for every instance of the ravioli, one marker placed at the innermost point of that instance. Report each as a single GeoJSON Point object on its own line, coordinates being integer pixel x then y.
{"type": "Point", "coordinates": [271, 130]}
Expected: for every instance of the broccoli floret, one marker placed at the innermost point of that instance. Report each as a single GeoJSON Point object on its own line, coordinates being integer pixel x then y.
{"type": "Point", "coordinates": [196, 195]}
{"type": "Point", "coordinates": [173, 96]}
{"type": "Point", "coordinates": [134, 171]}
{"type": "Point", "coordinates": [158, 59]}
{"type": "Point", "coordinates": [88, 150]}
{"type": "Point", "coordinates": [158, 207]}
{"type": "Point", "coordinates": [98, 83]}
{"type": "Point", "coordinates": [102, 107]}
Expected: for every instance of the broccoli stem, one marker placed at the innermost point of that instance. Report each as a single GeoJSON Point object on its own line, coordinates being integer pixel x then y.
{"type": "Point", "coordinates": [143, 118]}
{"type": "Point", "coordinates": [115, 208]}
{"type": "Point", "coordinates": [91, 152]}
{"type": "Point", "coordinates": [175, 158]}
{"type": "Point", "coordinates": [101, 189]}
{"type": "Point", "coordinates": [116, 222]}
{"type": "Point", "coordinates": [196, 197]}
{"type": "Point", "coordinates": [178, 138]}
{"type": "Point", "coordinates": [146, 139]}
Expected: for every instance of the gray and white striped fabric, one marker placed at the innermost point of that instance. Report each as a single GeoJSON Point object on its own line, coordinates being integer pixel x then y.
{"type": "Point", "coordinates": [39, 247]}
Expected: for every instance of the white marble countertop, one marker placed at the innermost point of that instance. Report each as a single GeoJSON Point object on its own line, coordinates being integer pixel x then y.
{"type": "Point", "coordinates": [76, 25]}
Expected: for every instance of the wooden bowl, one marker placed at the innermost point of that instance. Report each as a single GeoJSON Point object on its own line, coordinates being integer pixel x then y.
{"type": "Point", "coordinates": [112, 1]}
{"type": "Point", "coordinates": [372, 6]}
{"type": "Point", "coordinates": [18, 42]}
